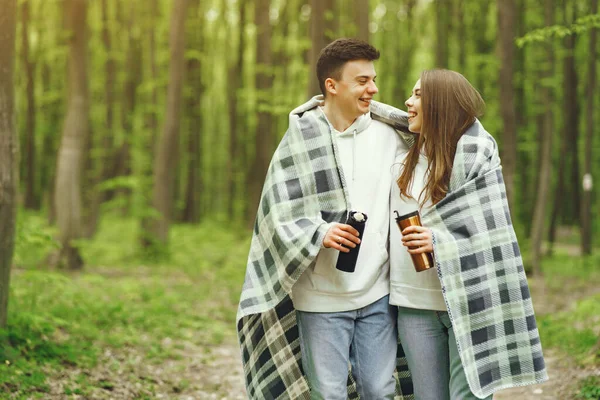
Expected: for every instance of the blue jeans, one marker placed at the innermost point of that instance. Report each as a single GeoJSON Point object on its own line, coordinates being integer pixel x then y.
{"type": "Point", "coordinates": [366, 338]}
{"type": "Point", "coordinates": [428, 340]}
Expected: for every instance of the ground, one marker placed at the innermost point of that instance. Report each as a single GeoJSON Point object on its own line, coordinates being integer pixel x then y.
{"type": "Point", "coordinates": [214, 372]}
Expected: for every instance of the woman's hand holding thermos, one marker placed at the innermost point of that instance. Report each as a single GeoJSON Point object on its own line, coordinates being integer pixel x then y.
{"type": "Point", "coordinates": [418, 239]}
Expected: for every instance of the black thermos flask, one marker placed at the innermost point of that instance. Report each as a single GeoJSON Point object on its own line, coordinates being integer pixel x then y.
{"type": "Point", "coordinates": [347, 261]}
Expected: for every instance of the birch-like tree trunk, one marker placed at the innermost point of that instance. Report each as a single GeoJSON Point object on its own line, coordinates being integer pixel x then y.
{"type": "Point", "coordinates": [67, 193]}
{"type": "Point", "coordinates": [8, 150]}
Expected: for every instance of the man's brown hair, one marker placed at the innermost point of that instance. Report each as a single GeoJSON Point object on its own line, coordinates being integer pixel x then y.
{"type": "Point", "coordinates": [449, 106]}
{"type": "Point", "coordinates": [336, 54]}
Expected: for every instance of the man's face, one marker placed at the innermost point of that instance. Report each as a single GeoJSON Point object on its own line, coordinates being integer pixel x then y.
{"type": "Point", "coordinates": [354, 91]}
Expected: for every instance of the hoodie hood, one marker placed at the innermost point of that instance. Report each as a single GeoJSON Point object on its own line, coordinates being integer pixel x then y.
{"type": "Point", "coordinates": [360, 124]}
{"type": "Point", "coordinates": [396, 118]}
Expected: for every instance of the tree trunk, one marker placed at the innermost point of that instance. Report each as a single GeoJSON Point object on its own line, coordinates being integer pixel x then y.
{"type": "Point", "coordinates": [9, 171]}
{"type": "Point", "coordinates": [49, 148]}
{"type": "Point", "coordinates": [264, 81]}
{"type": "Point", "coordinates": [441, 26]}
{"type": "Point", "coordinates": [545, 164]}
{"type": "Point", "coordinates": [566, 196]}
{"type": "Point", "coordinates": [361, 17]}
{"type": "Point", "coordinates": [70, 157]}
{"type": "Point", "coordinates": [586, 200]}
{"type": "Point", "coordinates": [461, 35]}
{"type": "Point", "coordinates": [31, 200]}
{"type": "Point", "coordinates": [104, 171]}
{"type": "Point", "coordinates": [234, 163]}
{"type": "Point", "coordinates": [122, 162]}
{"type": "Point", "coordinates": [318, 39]}
{"type": "Point", "coordinates": [166, 151]}
{"type": "Point", "coordinates": [152, 118]}
{"type": "Point", "coordinates": [482, 45]}
{"type": "Point", "coordinates": [191, 212]}
{"type": "Point", "coordinates": [506, 22]}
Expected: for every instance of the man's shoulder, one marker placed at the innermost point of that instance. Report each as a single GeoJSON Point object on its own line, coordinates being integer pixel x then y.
{"type": "Point", "coordinates": [379, 125]}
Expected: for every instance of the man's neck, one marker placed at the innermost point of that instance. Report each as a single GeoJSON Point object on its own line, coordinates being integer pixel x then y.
{"type": "Point", "coordinates": [336, 117]}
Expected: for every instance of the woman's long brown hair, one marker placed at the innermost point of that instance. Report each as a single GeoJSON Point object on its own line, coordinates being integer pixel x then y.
{"type": "Point", "coordinates": [449, 106]}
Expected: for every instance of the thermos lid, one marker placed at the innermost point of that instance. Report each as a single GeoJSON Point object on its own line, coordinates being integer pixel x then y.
{"type": "Point", "coordinates": [401, 217]}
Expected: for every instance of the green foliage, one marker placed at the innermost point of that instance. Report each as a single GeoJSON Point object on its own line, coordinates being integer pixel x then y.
{"type": "Point", "coordinates": [60, 319]}
{"type": "Point", "coordinates": [560, 31]}
{"type": "Point", "coordinates": [34, 239]}
{"type": "Point", "coordinates": [590, 388]}
{"type": "Point", "coordinates": [575, 331]}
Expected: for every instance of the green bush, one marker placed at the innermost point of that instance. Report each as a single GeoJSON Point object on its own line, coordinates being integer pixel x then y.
{"type": "Point", "coordinates": [590, 388]}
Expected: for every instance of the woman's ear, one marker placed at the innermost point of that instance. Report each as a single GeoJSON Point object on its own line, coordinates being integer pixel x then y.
{"type": "Point", "coordinates": [330, 86]}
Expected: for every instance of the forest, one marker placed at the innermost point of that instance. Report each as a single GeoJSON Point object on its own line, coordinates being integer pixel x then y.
{"type": "Point", "coordinates": [134, 141]}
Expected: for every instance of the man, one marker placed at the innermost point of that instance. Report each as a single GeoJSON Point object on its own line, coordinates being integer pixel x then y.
{"type": "Point", "coordinates": [333, 159]}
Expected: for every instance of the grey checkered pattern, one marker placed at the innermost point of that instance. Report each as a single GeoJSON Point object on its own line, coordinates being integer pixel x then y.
{"type": "Point", "coordinates": [304, 190]}
{"type": "Point", "coordinates": [482, 275]}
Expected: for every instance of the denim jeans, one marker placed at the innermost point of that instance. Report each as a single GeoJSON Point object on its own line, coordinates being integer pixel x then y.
{"type": "Point", "coordinates": [366, 338]}
{"type": "Point", "coordinates": [428, 340]}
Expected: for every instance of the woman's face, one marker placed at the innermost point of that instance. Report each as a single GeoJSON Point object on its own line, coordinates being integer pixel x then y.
{"type": "Point", "coordinates": [413, 105]}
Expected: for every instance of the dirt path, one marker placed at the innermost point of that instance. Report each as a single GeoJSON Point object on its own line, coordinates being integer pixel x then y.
{"type": "Point", "coordinates": [215, 372]}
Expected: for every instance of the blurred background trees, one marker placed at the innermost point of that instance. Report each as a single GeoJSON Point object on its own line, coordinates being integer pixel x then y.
{"type": "Point", "coordinates": [169, 111]}
{"type": "Point", "coordinates": [134, 140]}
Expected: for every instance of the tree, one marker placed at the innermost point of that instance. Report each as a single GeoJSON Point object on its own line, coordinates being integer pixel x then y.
{"type": "Point", "coordinates": [9, 179]}
{"type": "Point", "coordinates": [361, 16]}
{"type": "Point", "coordinates": [235, 84]}
{"type": "Point", "coordinates": [105, 170]}
{"type": "Point", "coordinates": [566, 196]}
{"type": "Point", "coordinates": [67, 193]}
{"type": "Point", "coordinates": [319, 9]}
{"type": "Point", "coordinates": [506, 37]}
{"type": "Point", "coordinates": [193, 185]}
{"type": "Point", "coordinates": [264, 80]}
{"type": "Point", "coordinates": [166, 150]}
{"type": "Point", "coordinates": [31, 199]}
{"type": "Point", "coordinates": [546, 127]}
{"type": "Point", "coordinates": [586, 201]}
{"type": "Point", "coordinates": [442, 25]}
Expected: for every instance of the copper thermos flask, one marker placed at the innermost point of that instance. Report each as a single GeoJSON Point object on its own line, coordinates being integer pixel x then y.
{"type": "Point", "coordinates": [423, 261]}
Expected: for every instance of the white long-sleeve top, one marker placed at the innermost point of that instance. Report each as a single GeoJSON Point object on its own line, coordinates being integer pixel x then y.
{"type": "Point", "coordinates": [409, 288]}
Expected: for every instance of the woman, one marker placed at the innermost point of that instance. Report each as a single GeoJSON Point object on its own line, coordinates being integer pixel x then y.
{"type": "Point", "coordinates": [467, 324]}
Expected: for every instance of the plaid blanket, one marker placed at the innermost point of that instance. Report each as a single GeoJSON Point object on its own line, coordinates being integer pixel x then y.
{"type": "Point", "coordinates": [304, 190]}
{"type": "Point", "coordinates": [476, 253]}
{"type": "Point", "coordinates": [480, 267]}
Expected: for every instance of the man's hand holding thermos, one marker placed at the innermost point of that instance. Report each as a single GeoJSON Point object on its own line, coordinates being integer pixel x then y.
{"type": "Point", "coordinates": [345, 238]}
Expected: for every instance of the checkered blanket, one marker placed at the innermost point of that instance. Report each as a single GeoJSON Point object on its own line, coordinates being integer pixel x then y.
{"type": "Point", "coordinates": [476, 253]}
{"type": "Point", "coordinates": [481, 271]}
{"type": "Point", "coordinates": [304, 191]}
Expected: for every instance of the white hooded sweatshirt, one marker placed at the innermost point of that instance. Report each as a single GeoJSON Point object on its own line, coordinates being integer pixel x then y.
{"type": "Point", "coordinates": [367, 150]}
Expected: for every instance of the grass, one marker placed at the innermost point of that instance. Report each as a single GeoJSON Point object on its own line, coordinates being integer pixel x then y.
{"type": "Point", "coordinates": [61, 319]}
{"type": "Point", "coordinates": [576, 330]}
{"type": "Point", "coordinates": [65, 321]}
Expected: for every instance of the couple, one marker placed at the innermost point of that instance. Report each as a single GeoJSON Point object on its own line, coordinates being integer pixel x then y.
{"type": "Point", "coordinates": [461, 330]}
